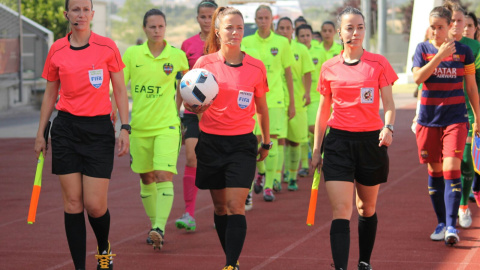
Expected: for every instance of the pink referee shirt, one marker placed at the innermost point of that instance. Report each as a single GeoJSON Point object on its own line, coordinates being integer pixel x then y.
{"type": "Point", "coordinates": [355, 91]}
{"type": "Point", "coordinates": [84, 74]}
{"type": "Point", "coordinates": [232, 111]}
{"type": "Point", "coordinates": [193, 48]}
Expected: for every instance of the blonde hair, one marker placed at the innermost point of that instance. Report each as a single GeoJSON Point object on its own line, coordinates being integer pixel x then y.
{"type": "Point", "coordinates": [212, 44]}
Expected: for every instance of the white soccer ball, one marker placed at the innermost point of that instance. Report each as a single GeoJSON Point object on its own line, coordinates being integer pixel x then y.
{"type": "Point", "coordinates": [198, 87]}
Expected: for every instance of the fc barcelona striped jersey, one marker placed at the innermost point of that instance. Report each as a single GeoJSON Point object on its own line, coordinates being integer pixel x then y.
{"type": "Point", "coordinates": [443, 101]}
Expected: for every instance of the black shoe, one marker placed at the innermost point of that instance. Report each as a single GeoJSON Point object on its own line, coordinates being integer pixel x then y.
{"type": "Point", "coordinates": [364, 266]}
{"type": "Point", "coordinates": [105, 258]}
{"type": "Point", "coordinates": [258, 183]}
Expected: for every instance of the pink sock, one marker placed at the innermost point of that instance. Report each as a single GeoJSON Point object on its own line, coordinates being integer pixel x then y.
{"type": "Point", "coordinates": [189, 190]}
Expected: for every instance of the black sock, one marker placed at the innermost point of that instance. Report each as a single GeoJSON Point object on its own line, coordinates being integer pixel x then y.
{"type": "Point", "coordinates": [367, 230]}
{"type": "Point", "coordinates": [101, 228]}
{"type": "Point", "coordinates": [235, 237]}
{"type": "Point", "coordinates": [476, 183]}
{"type": "Point", "coordinates": [340, 242]}
{"type": "Point", "coordinates": [221, 227]}
{"type": "Point", "coordinates": [77, 238]}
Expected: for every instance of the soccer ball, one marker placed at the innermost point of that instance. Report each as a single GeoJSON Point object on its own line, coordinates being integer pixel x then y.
{"type": "Point", "coordinates": [198, 87]}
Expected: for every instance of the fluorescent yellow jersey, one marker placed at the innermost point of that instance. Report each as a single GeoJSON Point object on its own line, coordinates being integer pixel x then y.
{"type": "Point", "coordinates": [335, 50]}
{"type": "Point", "coordinates": [153, 88]}
{"type": "Point", "coordinates": [318, 58]}
{"type": "Point", "coordinates": [276, 55]}
{"type": "Point", "coordinates": [303, 64]}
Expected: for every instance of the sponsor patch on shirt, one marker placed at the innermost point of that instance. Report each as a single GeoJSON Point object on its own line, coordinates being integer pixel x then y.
{"type": "Point", "coordinates": [367, 95]}
{"type": "Point", "coordinates": [244, 99]}
{"type": "Point", "coordinates": [96, 77]}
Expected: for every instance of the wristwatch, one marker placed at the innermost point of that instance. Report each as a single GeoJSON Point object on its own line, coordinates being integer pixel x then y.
{"type": "Point", "coordinates": [267, 146]}
{"type": "Point", "coordinates": [127, 127]}
{"type": "Point", "coordinates": [389, 127]}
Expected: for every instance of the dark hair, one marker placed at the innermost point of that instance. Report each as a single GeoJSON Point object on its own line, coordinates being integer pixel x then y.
{"type": "Point", "coordinates": [207, 4]}
{"type": "Point", "coordinates": [153, 12]}
{"type": "Point", "coordinates": [300, 19]}
{"type": "Point", "coordinates": [284, 19]}
{"type": "Point", "coordinates": [444, 12]}
{"type": "Point", "coordinates": [303, 26]}
{"type": "Point", "coordinates": [328, 23]}
{"type": "Point", "coordinates": [349, 10]}
{"type": "Point", "coordinates": [68, 2]}
{"type": "Point", "coordinates": [212, 44]}
{"type": "Point", "coordinates": [475, 23]}
{"type": "Point", "coordinates": [317, 33]}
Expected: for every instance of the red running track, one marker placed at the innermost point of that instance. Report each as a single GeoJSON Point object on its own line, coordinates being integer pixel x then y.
{"type": "Point", "coordinates": [277, 236]}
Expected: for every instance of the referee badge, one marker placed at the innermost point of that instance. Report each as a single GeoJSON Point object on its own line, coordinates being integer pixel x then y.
{"type": "Point", "coordinates": [274, 51]}
{"type": "Point", "coordinates": [96, 77]}
{"type": "Point", "coordinates": [367, 95]}
{"type": "Point", "coordinates": [315, 61]}
{"type": "Point", "coordinates": [296, 57]}
{"type": "Point", "coordinates": [244, 99]}
{"type": "Point", "coordinates": [168, 68]}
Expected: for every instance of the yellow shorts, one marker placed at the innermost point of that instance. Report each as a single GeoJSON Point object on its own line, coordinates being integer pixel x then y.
{"type": "Point", "coordinates": [312, 109]}
{"type": "Point", "coordinates": [297, 126]}
{"type": "Point", "coordinates": [278, 123]}
{"type": "Point", "coordinates": [156, 153]}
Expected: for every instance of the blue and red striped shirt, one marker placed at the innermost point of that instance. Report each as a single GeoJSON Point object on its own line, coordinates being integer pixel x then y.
{"type": "Point", "coordinates": [443, 100]}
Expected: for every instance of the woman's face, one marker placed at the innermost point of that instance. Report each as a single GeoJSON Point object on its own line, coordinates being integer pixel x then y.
{"type": "Point", "coordinates": [230, 30]}
{"type": "Point", "coordinates": [79, 12]}
{"type": "Point", "coordinates": [264, 19]}
{"type": "Point", "coordinates": [155, 28]}
{"type": "Point", "coordinates": [352, 30]}
{"type": "Point", "coordinates": [469, 30]}
{"type": "Point", "coordinates": [328, 31]}
{"type": "Point", "coordinates": [440, 29]}
{"type": "Point", "coordinates": [285, 28]}
{"type": "Point", "coordinates": [204, 18]}
{"type": "Point", "coordinates": [458, 24]}
{"type": "Point", "coordinates": [305, 37]}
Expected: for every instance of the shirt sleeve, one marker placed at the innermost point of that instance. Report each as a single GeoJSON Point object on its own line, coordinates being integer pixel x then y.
{"type": "Point", "coordinates": [388, 75]}
{"type": "Point", "coordinates": [50, 70]}
{"type": "Point", "coordinates": [115, 63]}
{"type": "Point", "coordinates": [323, 85]}
{"type": "Point", "coordinates": [287, 56]}
{"type": "Point", "coordinates": [418, 60]}
{"type": "Point", "coordinates": [126, 61]}
{"type": "Point", "coordinates": [262, 86]}
{"type": "Point", "coordinates": [469, 61]}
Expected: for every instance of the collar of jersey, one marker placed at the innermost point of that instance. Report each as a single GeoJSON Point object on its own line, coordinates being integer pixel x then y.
{"type": "Point", "coordinates": [265, 39]}
{"type": "Point", "coordinates": [90, 39]}
{"type": "Point", "coordinates": [165, 53]}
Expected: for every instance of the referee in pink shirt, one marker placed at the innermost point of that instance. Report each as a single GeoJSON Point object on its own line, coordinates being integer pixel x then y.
{"type": "Point", "coordinates": [355, 149]}
{"type": "Point", "coordinates": [227, 148]}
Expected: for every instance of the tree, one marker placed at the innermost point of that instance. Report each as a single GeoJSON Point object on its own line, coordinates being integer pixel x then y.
{"type": "Point", "coordinates": [128, 28]}
{"type": "Point", "coordinates": [48, 13]}
{"type": "Point", "coordinates": [357, 4]}
{"type": "Point", "coordinates": [407, 10]}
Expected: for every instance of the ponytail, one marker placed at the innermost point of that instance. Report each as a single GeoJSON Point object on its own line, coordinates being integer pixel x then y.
{"type": "Point", "coordinates": [212, 44]}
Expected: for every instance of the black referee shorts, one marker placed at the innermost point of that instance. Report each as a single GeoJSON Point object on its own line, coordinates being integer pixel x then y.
{"type": "Point", "coordinates": [225, 161]}
{"type": "Point", "coordinates": [350, 156]}
{"type": "Point", "coordinates": [190, 123]}
{"type": "Point", "coordinates": [83, 144]}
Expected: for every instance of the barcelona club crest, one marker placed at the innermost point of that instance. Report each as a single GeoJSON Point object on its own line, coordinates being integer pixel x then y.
{"type": "Point", "coordinates": [274, 51]}
{"type": "Point", "coordinates": [168, 68]}
{"type": "Point", "coordinates": [315, 61]}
